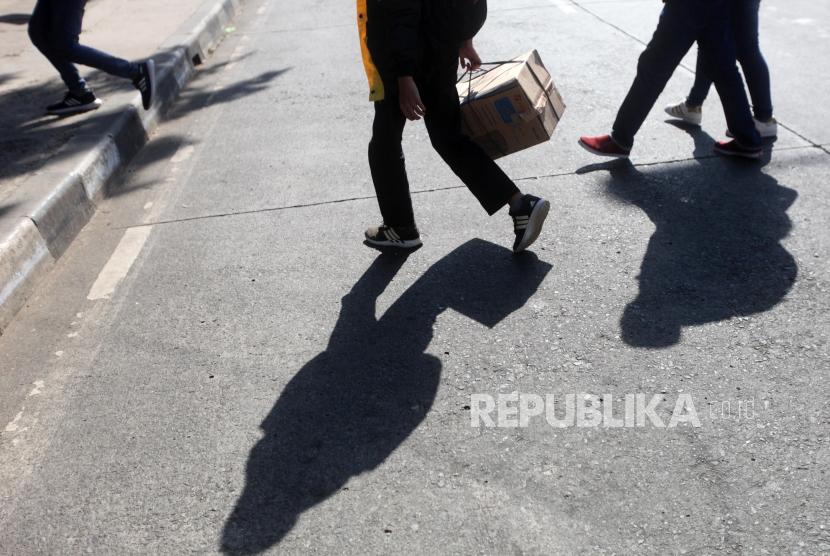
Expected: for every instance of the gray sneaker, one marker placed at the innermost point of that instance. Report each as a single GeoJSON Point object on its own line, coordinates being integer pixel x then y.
{"type": "Point", "coordinates": [682, 111]}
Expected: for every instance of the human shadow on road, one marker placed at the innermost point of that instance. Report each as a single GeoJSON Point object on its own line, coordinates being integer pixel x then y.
{"type": "Point", "coordinates": [31, 140]}
{"type": "Point", "coordinates": [352, 405]}
{"type": "Point", "coordinates": [703, 142]}
{"type": "Point", "coordinates": [6, 208]}
{"type": "Point", "coordinates": [15, 19]}
{"type": "Point", "coordinates": [716, 252]}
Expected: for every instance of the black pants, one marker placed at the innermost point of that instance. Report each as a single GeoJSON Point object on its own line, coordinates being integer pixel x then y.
{"type": "Point", "coordinates": [480, 174]}
{"type": "Point", "coordinates": [709, 22]}
{"type": "Point", "coordinates": [55, 28]}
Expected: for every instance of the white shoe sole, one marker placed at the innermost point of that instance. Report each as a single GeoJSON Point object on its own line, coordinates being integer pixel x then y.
{"type": "Point", "coordinates": [600, 153]}
{"type": "Point", "coordinates": [693, 118]}
{"type": "Point", "coordinates": [534, 225]}
{"type": "Point", "coordinates": [765, 133]}
{"type": "Point", "coordinates": [400, 244]}
{"type": "Point", "coordinates": [76, 109]}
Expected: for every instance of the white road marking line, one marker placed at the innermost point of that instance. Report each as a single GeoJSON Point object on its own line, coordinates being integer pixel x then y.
{"type": "Point", "coordinates": [12, 427]}
{"type": "Point", "coordinates": [120, 263]}
{"type": "Point", "coordinates": [183, 154]}
{"type": "Point", "coordinates": [564, 7]}
{"type": "Point", "coordinates": [36, 390]}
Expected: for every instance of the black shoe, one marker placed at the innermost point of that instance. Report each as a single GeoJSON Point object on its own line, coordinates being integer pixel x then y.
{"type": "Point", "coordinates": [528, 221]}
{"type": "Point", "coordinates": [733, 148]}
{"type": "Point", "coordinates": [145, 82]}
{"type": "Point", "coordinates": [74, 103]}
{"type": "Point", "coordinates": [404, 237]}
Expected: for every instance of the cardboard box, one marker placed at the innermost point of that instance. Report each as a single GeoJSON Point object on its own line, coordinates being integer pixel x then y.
{"type": "Point", "coordinates": [511, 107]}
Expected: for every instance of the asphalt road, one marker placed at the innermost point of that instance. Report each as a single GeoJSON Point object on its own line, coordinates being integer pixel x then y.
{"type": "Point", "coordinates": [219, 364]}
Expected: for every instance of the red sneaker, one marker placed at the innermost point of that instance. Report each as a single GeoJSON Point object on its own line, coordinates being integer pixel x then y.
{"type": "Point", "coordinates": [603, 145]}
{"type": "Point", "coordinates": [733, 148]}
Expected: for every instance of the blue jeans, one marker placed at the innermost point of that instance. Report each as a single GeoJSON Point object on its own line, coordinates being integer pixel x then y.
{"type": "Point", "coordinates": [756, 72]}
{"type": "Point", "coordinates": [55, 27]}
{"type": "Point", "coordinates": [683, 22]}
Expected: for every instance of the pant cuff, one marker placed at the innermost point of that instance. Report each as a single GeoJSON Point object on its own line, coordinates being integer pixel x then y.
{"type": "Point", "coordinates": [627, 145]}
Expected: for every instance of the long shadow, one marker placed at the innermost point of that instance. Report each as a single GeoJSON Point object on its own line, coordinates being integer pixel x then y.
{"type": "Point", "coordinates": [716, 252]}
{"type": "Point", "coordinates": [6, 208]}
{"type": "Point", "coordinates": [703, 142]}
{"type": "Point", "coordinates": [30, 140]}
{"type": "Point", "coordinates": [352, 405]}
{"type": "Point", "coordinates": [196, 98]}
{"type": "Point", "coordinates": [15, 19]}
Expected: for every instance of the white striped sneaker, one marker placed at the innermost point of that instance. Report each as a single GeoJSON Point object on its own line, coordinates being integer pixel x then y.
{"type": "Point", "coordinates": [403, 237]}
{"type": "Point", "coordinates": [682, 111]}
{"type": "Point", "coordinates": [73, 103]}
{"type": "Point", "coordinates": [528, 221]}
{"type": "Point", "coordinates": [767, 130]}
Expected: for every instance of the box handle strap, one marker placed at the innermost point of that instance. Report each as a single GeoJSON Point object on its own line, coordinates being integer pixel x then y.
{"type": "Point", "coordinates": [468, 73]}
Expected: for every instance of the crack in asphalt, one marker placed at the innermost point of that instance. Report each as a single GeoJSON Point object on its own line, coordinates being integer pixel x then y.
{"type": "Point", "coordinates": [581, 171]}
{"type": "Point", "coordinates": [578, 172]}
{"type": "Point", "coordinates": [599, 18]}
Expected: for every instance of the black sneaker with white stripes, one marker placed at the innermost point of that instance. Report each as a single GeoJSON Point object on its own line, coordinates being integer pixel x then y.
{"type": "Point", "coordinates": [528, 220]}
{"type": "Point", "coordinates": [403, 237]}
{"type": "Point", "coordinates": [74, 103]}
{"type": "Point", "coordinates": [145, 82]}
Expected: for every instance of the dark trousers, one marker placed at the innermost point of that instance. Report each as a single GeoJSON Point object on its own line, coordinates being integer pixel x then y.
{"type": "Point", "coordinates": [709, 22]}
{"type": "Point", "coordinates": [756, 71]}
{"type": "Point", "coordinates": [55, 28]}
{"type": "Point", "coordinates": [480, 174]}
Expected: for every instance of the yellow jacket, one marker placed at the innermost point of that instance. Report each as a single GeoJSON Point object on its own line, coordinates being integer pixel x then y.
{"type": "Point", "coordinates": [376, 92]}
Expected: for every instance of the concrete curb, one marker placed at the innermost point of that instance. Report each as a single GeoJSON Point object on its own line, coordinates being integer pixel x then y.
{"type": "Point", "coordinates": [62, 199]}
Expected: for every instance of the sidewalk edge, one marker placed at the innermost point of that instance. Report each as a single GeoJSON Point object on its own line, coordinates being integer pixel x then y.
{"type": "Point", "coordinates": [29, 250]}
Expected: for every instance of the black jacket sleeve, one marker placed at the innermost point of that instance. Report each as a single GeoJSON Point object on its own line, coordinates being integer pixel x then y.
{"type": "Point", "coordinates": [403, 28]}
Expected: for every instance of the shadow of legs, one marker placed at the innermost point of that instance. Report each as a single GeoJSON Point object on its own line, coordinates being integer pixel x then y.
{"type": "Point", "coordinates": [716, 252]}
{"type": "Point", "coordinates": [352, 405]}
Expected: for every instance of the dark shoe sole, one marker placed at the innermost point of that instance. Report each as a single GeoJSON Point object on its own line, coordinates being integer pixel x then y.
{"type": "Point", "coordinates": [534, 225]}
{"type": "Point", "coordinates": [601, 153]}
{"type": "Point", "coordinates": [751, 155]}
{"type": "Point", "coordinates": [764, 137]}
{"type": "Point", "coordinates": [80, 109]}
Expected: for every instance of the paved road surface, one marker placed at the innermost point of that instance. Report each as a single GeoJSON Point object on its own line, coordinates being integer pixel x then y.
{"type": "Point", "coordinates": [219, 364]}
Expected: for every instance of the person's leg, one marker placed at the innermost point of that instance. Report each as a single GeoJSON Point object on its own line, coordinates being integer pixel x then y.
{"type": "Point", "coordinates": [386, 160]}
{"type": "Point", "coordinates": [66, 21]}
{"type": "Point", "coordinates": [700, 89]}
{"type": "Point", "coordinates": [677, 30]}
{"type": "Point", "coordinates": [42, 36]}
{"type": "Point", "coordinates": [751, 59]}
{"type": "Point", "coordinates": [718, 47]}
{"type": "Point", "coordinates": [480, 174]}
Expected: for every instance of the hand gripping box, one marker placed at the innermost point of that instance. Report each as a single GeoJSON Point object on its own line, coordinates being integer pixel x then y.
{"type": "Point", "coordinates": [511, 107]}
